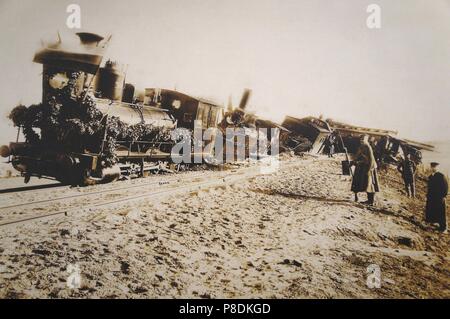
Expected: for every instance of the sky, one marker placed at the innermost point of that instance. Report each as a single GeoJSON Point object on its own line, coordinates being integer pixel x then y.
{"type": "Point", "coordinates": [299, 57]}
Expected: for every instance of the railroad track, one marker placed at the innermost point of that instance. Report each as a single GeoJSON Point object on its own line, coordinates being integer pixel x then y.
{"type": "Point", "coordinates": [216, 181]}
{"type": "Point", "coordinates": [43, 188]}
{"type": "Point", "coordinates": [103, 191]}
{"type": "Point", "coordinates": [33, 188]}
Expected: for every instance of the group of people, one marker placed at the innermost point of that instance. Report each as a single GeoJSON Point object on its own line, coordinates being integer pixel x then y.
{"type": "Point", "coordinates": [365, 179]}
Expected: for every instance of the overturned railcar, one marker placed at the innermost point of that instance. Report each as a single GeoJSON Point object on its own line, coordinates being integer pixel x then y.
{"type": "Point", "coordinates": [312, 128]}
{"type": "Point", "coordinates": [386, 145]}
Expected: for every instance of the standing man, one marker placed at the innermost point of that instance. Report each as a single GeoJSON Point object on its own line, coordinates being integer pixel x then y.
{"type": "Point", "coordinates": [407, 168]}
{"type": "Point", "coordinates": [380, 150]}
{"type": "Point", "coordinates": [328, 145]}
{"type": "Point", "coordinates": [437, 191]}
{"type": "Point", "coordinates": [365, 177]}
{"type": "Point", "coordinates": [331, 144]}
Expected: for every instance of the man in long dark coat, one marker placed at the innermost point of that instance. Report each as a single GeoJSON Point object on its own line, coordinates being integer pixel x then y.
{"type": "Point", "coordinates": [435, 211]}
{"type": "Point", "coordinates": [365, 178]}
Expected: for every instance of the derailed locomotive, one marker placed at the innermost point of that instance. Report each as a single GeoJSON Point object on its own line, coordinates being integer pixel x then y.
{"type": "Point", "coordinates": [92, 127]}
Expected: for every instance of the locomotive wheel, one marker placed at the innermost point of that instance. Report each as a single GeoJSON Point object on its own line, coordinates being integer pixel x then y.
{"type": "Point", "coordinates": [108, 175]}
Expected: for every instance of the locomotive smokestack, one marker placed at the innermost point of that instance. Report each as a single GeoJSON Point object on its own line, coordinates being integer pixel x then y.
{"type": "Point", "coordinates": [245, 98]}
{"type": "Point", "coordinates": [60, 59]}
{"type": "Point", "coordinates": [85, 56]}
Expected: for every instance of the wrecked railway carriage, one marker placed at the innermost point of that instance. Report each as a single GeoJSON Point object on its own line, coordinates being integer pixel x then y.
{"type": "Point", "coordinates": [386, 145]}
{"type": "Point", "coordinates": [313, 129]}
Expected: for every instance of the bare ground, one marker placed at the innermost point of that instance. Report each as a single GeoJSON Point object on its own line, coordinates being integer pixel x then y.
{"type": "Point", "coordinates": [292, 234]}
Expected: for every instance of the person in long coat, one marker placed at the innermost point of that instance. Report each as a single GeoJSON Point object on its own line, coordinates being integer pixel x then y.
{"type": "Point", "coordinates": [435, 210]}
{"type": "Point", "coordinates": [365, 178]}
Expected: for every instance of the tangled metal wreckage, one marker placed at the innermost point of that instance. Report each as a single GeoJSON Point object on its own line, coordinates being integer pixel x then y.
{"type": "Point", "coordinates": [93, 127]}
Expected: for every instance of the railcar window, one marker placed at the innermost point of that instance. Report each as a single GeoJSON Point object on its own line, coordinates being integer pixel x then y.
{"type": "Point", "coordinates": [187, 117]}
{"type": "Point", "coordinates": [213, 117]}
{"type": "Point", "coordinates": [205, 116]}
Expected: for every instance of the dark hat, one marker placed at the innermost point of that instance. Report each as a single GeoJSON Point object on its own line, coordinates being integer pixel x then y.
{"type": "Point", "coordinates": [434, 164]}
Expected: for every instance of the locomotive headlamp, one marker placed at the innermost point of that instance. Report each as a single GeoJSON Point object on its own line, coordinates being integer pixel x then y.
{"type": "Point", "coordinates": [58, 81]}
{"type": "Point", "coordinates": [176, 104]}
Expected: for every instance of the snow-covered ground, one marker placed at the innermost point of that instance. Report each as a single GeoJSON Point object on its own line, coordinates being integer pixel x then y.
{"type": "Point", "coordinates": [293, 233]}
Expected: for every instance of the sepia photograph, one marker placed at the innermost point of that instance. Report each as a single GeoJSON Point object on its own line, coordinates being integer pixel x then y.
{"type": "Point", "coordinates": [242, 151]}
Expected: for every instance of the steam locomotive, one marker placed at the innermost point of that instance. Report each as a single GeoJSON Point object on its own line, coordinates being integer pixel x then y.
{"type": "Point", "coordinates": [93, 127]}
